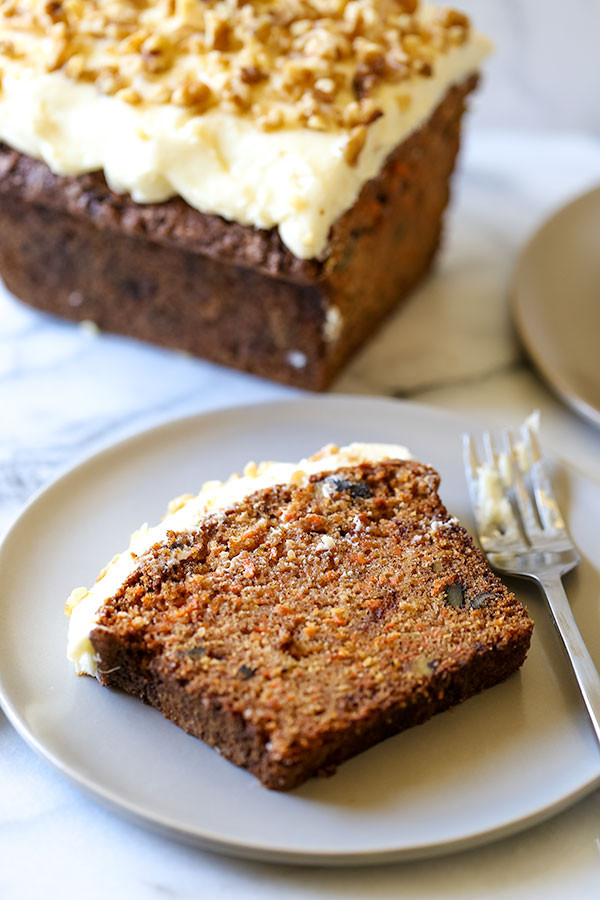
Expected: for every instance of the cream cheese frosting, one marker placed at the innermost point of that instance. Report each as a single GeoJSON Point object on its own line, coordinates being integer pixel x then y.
{"type": "Point", "coordinates": [299, 177]}
{"type": "Point", "coordinates": [186, 513]}
{"type": "Point", "coordinates": [493, 484]}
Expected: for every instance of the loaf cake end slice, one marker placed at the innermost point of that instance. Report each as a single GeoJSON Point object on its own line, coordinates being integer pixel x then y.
{"type": "Point", "coordinates": [295, 617]}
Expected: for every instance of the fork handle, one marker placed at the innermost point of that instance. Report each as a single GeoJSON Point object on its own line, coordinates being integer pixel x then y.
{"type": "Point", "coordinates": [585, 671]}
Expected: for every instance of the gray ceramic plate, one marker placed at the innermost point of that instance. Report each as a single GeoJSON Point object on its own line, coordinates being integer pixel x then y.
{"type": "Point", "coordinates": [499, 762]}
{"type": "Point", "coordinates": [556, 303]}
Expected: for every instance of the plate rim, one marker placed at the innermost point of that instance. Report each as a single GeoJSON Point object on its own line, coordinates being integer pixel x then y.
{"type": "Point", "coordinates": [160, 823]}
{"type": "Point", "coordinates": [555, 381]}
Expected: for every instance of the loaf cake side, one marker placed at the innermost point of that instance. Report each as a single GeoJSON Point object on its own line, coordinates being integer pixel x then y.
{"type": "Point", "coordinates": [295, 626]}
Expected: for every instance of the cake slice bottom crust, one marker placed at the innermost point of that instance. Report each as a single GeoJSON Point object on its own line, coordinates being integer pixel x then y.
{"type": "Point", "coordinates": [313, 620]}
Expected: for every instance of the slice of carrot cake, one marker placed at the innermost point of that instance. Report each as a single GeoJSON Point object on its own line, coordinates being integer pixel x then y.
{"type": "Point", "coordinates": [299, 614]}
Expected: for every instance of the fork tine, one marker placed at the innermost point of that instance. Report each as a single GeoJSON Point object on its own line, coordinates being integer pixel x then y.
{"type": "Point", "coordinates": [547, 506]}
{"type": "Point", "coordinates": [496, 522]}
{"type": "Point", "coordinates": [489, 448]}
{"type": "Point", "coordinates": [522, 499]}
{"type": "Point", "coordinates": [471, 465]}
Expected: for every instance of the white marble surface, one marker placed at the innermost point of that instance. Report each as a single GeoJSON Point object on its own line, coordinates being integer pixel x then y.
{"type": "Point", "coordinates": [64, 391]}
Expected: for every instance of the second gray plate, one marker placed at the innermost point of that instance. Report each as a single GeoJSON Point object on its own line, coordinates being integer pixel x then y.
{"type": "Point", "coordinates": [556, 303]}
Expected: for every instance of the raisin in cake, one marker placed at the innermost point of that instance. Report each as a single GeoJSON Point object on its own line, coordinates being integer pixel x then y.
{"type": "Point", "coordinates": [255, 182]}
{"type": "Point", "coordinates": [297, 615]}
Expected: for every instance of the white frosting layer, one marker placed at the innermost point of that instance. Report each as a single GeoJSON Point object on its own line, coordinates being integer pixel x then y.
{"type": "Point", "coordinates": [85, 605]}
{"type": "Point", "coordinates": [295, 179]}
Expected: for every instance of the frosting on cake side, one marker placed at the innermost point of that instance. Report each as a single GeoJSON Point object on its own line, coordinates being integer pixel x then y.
{"type": "Point", "coordinates": [186, 513]}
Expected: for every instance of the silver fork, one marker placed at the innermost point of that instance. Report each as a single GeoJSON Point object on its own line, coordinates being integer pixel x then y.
{"type": "Point", "coordinates": [523, 533]}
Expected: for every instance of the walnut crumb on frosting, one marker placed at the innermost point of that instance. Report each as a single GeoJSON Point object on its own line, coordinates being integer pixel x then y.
{"type": "Point", "coordinates": [316, 64]}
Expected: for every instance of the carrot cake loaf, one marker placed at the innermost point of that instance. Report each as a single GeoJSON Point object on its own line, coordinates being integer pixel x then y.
{"type": "Point", "coordinates": [253, 181]}
{"type": "Point", "coordinates": [296, 615]}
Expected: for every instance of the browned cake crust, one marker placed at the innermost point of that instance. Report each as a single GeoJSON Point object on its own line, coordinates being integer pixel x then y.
{"type": "Point", "coordinates": [217, 289]}
{"type": "Point", "coordinates": [310, 622]}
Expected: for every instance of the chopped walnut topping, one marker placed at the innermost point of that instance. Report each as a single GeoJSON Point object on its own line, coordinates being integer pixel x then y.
{"type": "Point", "coordinates": [354, 144]}
{"type": "Point", "coordinates": [271, 120]}
{"type": "Point", "coordinates": [129, 95]}
{"type": "Point", "coordinates": [7, 49]}
{"type": "Point", "coordinates": [156, 53]}
{"type": "Point", "coordinates": [194, 94]}
{"type": "Point", "coordinates": [317, 64]}
{"type": "Point", "coordinates": [251, 75]}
